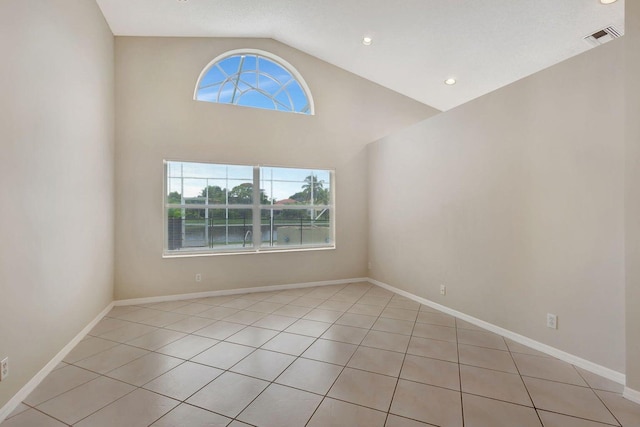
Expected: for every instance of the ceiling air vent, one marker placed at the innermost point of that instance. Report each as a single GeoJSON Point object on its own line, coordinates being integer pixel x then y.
{"type": "Point", "coordinates": [603, 36]}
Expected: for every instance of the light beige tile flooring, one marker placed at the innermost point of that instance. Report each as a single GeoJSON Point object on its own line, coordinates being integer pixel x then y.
{"type": "Point", "coordinates": [345, 355]}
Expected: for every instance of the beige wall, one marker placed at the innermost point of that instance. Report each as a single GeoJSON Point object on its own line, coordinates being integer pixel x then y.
{"type": "Point", "coordinates": [56, 137]}
{"type": "Point", "coordinates": [514, 201]}
{"type": "Point", "coordinates": [632, 182]}
{"type": "Point", "coordinates": [157, 119]}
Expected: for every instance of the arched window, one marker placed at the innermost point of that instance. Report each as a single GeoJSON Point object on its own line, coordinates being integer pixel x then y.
{"type": "Point", "coordinates": [254, 78]}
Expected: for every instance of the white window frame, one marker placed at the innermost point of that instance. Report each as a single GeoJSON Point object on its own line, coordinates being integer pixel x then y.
{"type": "Point", "coordinates": [256, 224]}
{"type": "Point", "coordinates": [271, 57]}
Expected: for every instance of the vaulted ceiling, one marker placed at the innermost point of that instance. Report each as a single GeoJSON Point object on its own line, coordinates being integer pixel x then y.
{"type": "Point", "coordinates": [417, 44]}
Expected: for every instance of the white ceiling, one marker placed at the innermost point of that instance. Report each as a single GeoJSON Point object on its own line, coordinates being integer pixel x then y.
{"type": "Point", "coordinates": [417, 44]}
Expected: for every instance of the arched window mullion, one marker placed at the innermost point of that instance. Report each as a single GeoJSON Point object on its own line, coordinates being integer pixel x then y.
{"type": "Point", "coordinates": [253, 89]}
{"type": "Point", "coordinates": [239, 73]}
{"type": "Point", "coordinates": [262, 92]}
{"type": "Point", "coordinates": [283, 87]}
{"type": "Point", "coordinates": [211, 85]}
{"type": "Point", "coordinates": [292, 105]}
{"type": "Point", "coordinates": [224, 82]}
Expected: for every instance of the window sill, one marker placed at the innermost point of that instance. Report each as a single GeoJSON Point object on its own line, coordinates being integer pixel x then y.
{"type": "Point", "coordinates": [190, 254]}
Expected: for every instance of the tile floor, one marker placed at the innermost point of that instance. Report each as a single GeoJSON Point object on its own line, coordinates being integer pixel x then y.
{"type": "Point", "coordinates": [347, 355]}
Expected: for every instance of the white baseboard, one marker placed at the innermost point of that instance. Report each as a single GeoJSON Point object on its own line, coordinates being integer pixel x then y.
{"type": "Point", "coordinates": [150, 300]}
{"type": "Point", "coordinates": [618, 377]}
{"type": "Point", "coordinates": [632, 395]}
{"type": "Point", "coordinates": [603, 371]}
{"type": "Point", "coordinates": [33, 383]}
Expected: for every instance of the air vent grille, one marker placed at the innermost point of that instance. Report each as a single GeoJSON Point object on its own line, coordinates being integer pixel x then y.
{"type": "Point", "coordinates": [602, 36]}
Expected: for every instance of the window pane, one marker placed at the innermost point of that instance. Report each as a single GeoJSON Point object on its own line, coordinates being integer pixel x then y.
{"type": "Point", "coordinates": [174, 190]}
{"type": "Point", "coordinates": [195, 227]}
{"type": "Point", "coordinates": [216, 191]}
{"type": "Point", "coordinates": [209, 94]}
{"type": "Point", "coordinates": [196, 170]}
{"type": "Point", "coordinates": [174, 169]}
{"type": "Point", "coordinates": [249, 62]}
{"type": "Point", "coordinates": [230, 65]}
{"type": "Point", "coordinates": [267, 83]}
{"type": "Point", "coordinates": [192, 229]}
{"type": "Point", "coordinates": [295, 227]}
{"type": "Point", "coordinates": [288, 186]}
{"type": "Point", "coordinates": [213, 76]}
{"type": "Point", "coordinates": [240, 193]}
{"type": "Point", "coordinates": [195, 191]}
{"type": "Point", "coordinates": [230, 228]}
{"type": "Point", "coordinates": [284, 102]}
{"type": "Point", "coordinates": [276, 71]}
{"type": "Point", "coordinates": [240, 172]}
{"type": "Point", "coordinates": [283, 185]}
{"type": "Point", "coordinates": [297, 95]}
{"type": "Point", "coordinates": [255, 99]}
{"type": "Point", "coordinates": [284, 174]}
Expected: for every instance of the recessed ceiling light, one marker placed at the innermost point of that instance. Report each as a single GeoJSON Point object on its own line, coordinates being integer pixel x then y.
{"type": "Point", "coordinates": [450, 81]}
{"type": "Point", "coordinates": [367, 41]}
{"type": "Point", "coordinates": [608, 1]}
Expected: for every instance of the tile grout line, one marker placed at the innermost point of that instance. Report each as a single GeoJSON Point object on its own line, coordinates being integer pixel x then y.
{"type": "Point", "coordinates": [597, 395]}
{"type": "Point", "coordinates": [455, 323]}
{"type": "Point", "coordinates": [326, 395]}
{"type": "Point", "coordinates": [183, 362]}
{"type": "Point", "coordinates": [294, 360]}
{"type": "Point", "coordinates": [228, 369]}
{"type": "Point", "coordinates": [404, 358]}
{"type": "Point", "coordinates": [296, 357]}
{"type": "Point", "coordinates": [254, 348]}
{"type": "Point", "coordinates": [558, 382]}
{"type": "Point", "coordinates": [124, 382]}
{"type": "Point", "coordinates": [523, 382]}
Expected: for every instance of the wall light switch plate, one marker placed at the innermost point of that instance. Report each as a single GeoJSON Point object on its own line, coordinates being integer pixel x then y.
{"type": "Point", "coordinates": [552, 321]}
{"type": "Point", "coordinates": [4, 368]}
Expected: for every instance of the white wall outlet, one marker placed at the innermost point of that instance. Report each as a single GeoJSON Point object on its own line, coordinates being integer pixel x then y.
{"type": "Point", "coordinates": [4, 368]}
{"type": "Point", "coordinates": [443, 290]}
{"type": "Point", "coordinates": [552, 321]}
{"type": "Point", "coordinates": [369, 265]}
{"type": "Point", "coordinates": [198, 277]}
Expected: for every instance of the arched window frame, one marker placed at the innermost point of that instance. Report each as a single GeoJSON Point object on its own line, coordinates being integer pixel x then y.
{"type": "Point", "coordinates": [278, 60]}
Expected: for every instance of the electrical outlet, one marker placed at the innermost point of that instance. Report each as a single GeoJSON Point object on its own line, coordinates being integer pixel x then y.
{"type": "Point", "coordinates": [198, 277]}
{"type": "Point", "coordinates": [443, 290]}
{"type": "Point", "coordinates": [4, 368]}
{"type": "Point", "coordinates": [369, 265]}
{"type": "Point", "coordinates": [552, 321]}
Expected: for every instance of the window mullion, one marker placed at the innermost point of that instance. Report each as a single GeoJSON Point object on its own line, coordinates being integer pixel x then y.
{"type": "Point", "coordinates": [257, 220]}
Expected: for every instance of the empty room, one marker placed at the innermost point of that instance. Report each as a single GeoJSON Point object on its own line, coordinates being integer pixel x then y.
{"type": "Point", "coordinates": [295, 213]}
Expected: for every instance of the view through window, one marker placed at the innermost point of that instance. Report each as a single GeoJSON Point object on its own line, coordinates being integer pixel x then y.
{"type": "Point", "coordinates": [214, 208]}
{"type": "Point", "coordinates": [254, 79]}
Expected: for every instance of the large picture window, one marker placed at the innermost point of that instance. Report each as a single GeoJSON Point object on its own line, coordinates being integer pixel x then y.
{"type": "Point", "coordinates": [221, 208]}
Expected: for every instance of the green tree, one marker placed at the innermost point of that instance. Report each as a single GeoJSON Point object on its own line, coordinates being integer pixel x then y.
{"type": "Point", "coordinates": [243, 195]}
{"type": "Point", "coordinates": [320, 194]}
{"type": "Point", "coordinates": [215, 194]}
